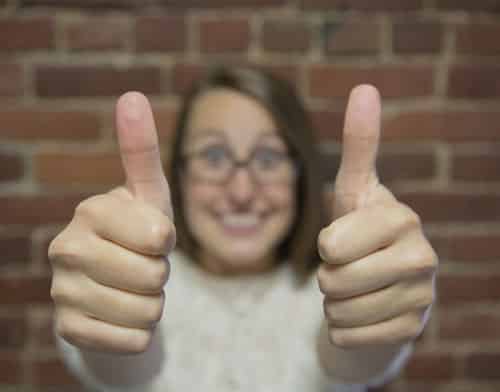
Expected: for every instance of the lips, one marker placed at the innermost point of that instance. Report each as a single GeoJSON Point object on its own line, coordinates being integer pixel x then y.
{"type": "Point", "coordinates": [240, 224]}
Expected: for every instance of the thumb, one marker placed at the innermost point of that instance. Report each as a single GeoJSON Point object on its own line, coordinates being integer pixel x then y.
{"type": "Point", "coordinates": [140, 153]}
{"type": "Point", "coordinates": [357, 175]}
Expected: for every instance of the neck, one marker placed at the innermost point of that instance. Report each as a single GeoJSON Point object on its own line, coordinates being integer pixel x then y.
{"type": "Point", "coordinates": [220, 267]}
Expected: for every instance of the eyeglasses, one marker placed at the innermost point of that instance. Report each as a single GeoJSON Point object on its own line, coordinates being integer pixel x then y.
{"type": "Point", "coordinates": [217, 164]}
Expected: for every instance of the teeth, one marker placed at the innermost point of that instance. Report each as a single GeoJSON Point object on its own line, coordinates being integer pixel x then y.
{"type": "Point", "coordinates": [239, 220]}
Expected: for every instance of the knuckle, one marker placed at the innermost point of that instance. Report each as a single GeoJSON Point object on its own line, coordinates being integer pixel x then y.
{"type": "Point", "coordinates": [91, 207]}
{"type": "Point", "coordinates": [158, 275]}
{"type": "Point", "coordinates": [342, 339]}
{"type": "Point", "coordinates": [160, 235]}
{"type": "Point", "coordinates": [403, 218]}
{"type": "Point", "coordinates": [328, 283]}
{"type": "Point", "coordinates": [423, 259]}
{"type": "Point", "coordinates": [66, 251]}
{"type": "Point", "coordinates": [324, 279]}
{"type": "Point", "coordinates": [414, 326]}
{"type": "Point", "coordinates": [59, 291]}
{"type": "Point", "coordinates": [332, 314]}
{"type": "Point", "coordinates": [325, 247]}
{"type": "Point", "coordinates": [140, 342]}
{"type": "Point", "coordinates": [154, 310]}
{"type": "Point", "coordinates": [67, 327]}
{"type": "Point", "coordinates": [426, 298]}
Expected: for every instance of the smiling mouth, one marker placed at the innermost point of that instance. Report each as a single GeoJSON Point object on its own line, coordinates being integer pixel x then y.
{"type": "Point", "coordinates": [240, 224]}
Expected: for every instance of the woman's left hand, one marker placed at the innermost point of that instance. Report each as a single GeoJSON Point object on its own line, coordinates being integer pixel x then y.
{"type": "Point", "coordinates": [378, 275]}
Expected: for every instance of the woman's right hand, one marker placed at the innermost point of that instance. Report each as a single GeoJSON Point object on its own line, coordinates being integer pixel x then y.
{"type": "Point", "coordinates": [110, 263]}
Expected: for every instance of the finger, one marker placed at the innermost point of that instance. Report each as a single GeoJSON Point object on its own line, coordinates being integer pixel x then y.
{"type": "Point", "coordinates": [415, 294]}
{"type": "Point", "coordinates": [411, 257]}
{"type": "Point", "coordinates": [151, 232]}
{"type": "Point", "coordinates": [139, 150]}
{"type": "Point", "coordinates": [398, 330]}
{"type": "Point", "coordinates": [117, 307]}
{"type": "Point", "coordinates": [115, 266]}
{"type": "Point", "coordinates": [354, 235]}
{"type": "Point", "coordinates": [357, 175]}
{"type": "Point", "coordinates": [83, 331]}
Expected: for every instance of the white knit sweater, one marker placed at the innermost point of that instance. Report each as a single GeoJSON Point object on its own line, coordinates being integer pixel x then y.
{"type": "Point", "coordinates": [245, 334]}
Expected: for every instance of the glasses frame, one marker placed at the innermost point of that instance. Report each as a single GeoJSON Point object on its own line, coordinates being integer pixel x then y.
{"type": "Point", "coordinates": [240, 164]}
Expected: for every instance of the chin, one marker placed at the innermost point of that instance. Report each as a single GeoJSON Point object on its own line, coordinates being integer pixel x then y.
{"type": "Point", "coordinates": [243, 259]}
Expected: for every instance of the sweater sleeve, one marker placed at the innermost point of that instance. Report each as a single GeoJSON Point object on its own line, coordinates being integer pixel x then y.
{"type": "Point", "coordinates": [73, 360]}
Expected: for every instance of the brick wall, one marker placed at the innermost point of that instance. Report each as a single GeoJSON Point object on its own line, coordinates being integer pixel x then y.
{"type": "Point", "coordinates": [436, 62]}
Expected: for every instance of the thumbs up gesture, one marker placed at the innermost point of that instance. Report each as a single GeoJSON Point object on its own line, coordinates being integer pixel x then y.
{"type": "Point", "coordinates": [109, 264]}
{"type": "Point", "coordinates": [379, 269]}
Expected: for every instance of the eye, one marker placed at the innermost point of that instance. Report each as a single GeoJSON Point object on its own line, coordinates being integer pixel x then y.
{"type": "Point", "coordinates": [215, 155]}
{"type": "Point", "coordinates": [268, 158]}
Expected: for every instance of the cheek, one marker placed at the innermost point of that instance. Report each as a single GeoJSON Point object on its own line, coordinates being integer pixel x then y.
{"type": "Point", "coordinates": [284, 206]}
{"type": "Point", "coordinates": [196, 197]}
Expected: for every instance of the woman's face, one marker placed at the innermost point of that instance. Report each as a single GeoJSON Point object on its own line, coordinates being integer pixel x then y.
{"type": "Point", "coordinates": [237, 216]}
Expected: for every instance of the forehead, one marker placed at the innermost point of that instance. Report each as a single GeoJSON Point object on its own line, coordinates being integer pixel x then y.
{"type": "Point", "coordinates": [240, 118]}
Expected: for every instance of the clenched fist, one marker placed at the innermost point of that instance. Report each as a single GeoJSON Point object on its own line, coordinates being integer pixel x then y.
{"type": "Point", "coordinates": [379, 269]}
{"type": "Point", "coordinates": [110, 263]}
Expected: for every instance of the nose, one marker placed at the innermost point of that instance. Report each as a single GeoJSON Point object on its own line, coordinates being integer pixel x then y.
{"type": "Point", "coordinates": [241, 187]}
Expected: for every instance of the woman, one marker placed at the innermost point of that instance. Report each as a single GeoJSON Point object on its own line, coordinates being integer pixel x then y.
{"type": "Point", "coordinates": [243, 307]}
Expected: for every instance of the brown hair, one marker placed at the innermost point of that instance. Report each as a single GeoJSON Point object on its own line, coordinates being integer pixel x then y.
{"type": "Point", "coordinates": [280, 99]}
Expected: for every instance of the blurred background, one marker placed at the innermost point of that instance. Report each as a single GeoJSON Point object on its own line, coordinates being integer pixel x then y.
{"type": "Point", "coordinates": [436, 62]}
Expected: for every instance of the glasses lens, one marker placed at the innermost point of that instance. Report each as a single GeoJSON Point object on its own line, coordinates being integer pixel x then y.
{"type": "Point", "coordinates": [272, 166]}
{"type": "Point", "coordinates": [213, 163]}
{"type": "Point", "coordinates": [266, 165]}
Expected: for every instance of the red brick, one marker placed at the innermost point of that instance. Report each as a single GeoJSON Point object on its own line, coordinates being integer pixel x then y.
{"type": "Point", "coordinates": [286, 35]}
{"type": "Point", "coordinates": [182, 4]}
{"type": "Point", "coordinates": [11, 167]}
{"type": "Point", "coordinates": [24, 290]}
{"type": "Point", "coordinates": [474, 81]}
{"type": "Point", "coordinates": [96, 34]}
{"type": "Point", "coordinates": [42, 330]}
{"type": "Point", "coordinates": [13, 332]}
{"type": "Point", "coordinates": [477, 39]}
{"type": "Point", "coordinates": [84, 81]}
{"type": "Point", "coordinates": [11, 80]}
{"type": "Point", "coordinates": [52, 372]}
{"type": "Point", "coordinates": [450, 126]}
{"type": "Point", "coordinates": [184, 75]}
{"type": "Point", "coordinates": [483, 366]}
{"type": "Point", "coordinates": [328, 124]}
{"type": "Point", "coordinates": [391, 166]}
{"type": "Point", "coordinates": [352, 36]}
{"type": "Point", "coordinates": [417, 37]}
{"type": "Point", "coordinates": [26, 34]}
{"type": "Point", "coordinates": [336, 81]}
{"type": "Point", "coordinates": [11, 370]}
{"type": "Point", "coordinates": [15, 250]}
{"type": "Point", "coordinates": [78, 169]}
{"type": "Point", "coordinates": [468, 248]}
{"type": "Point", "coordinates": [469, 327]}
{"type": "Point", "coordinates": [34, 124]}
{"type": "Point", "coordinates": [37, 210]}
{"type": "Point", "coordinates": [453, 207]}
{"type": "Point", "coordinates": [165, 119]}
{"type": "Point", "coordinates": [467, 5]}
{"type": "Point", "coordinates": [224, 35]}
{"type": "Point", "coordinates": [468, 289]}
{"type": "Point", "coordinates": [476, 168]}
{"type": "Point", "coordinates": [84, 3]}
{"type": "Point", "coordinates": [399, 166]}
{"type": "Point", "coordinates": [430, 366]}
{"type": "Point", "coordinates": [362, 5]}
{"type": "Point", "coordinates": [160, 33]}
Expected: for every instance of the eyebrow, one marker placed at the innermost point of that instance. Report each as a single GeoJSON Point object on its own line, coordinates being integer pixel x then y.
{"type": "Point", "coordinates": [219, 133]}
